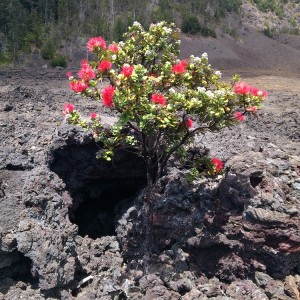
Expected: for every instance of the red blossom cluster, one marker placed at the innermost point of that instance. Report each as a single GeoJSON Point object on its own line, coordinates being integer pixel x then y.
{"type": "Point", "coordinates": [243, 88]}
{"type": "Point", "coordinates": [113, 48]}
{"type": "Point", "coordinates": [86, 73]}
{"type": "Point", "coordinates": [179, 68]}
{"type": "Point", "coordinates": [239, 116]}
{"type": "Point", "coordinates": [127, 70]}
{"type": "Point", "coordinates": [95, 42]}
{"type": "Point", "coordinates": [189, 122]}
{"type": "Point", "coordinates": [78, 86]}
{"type": "Point", "coordinates": [217, 163]}
{"type": "Point", "coordinates": [107, 95]}
{"type": "Point", "coordinates": [93, 115]}
{"type": "Point", "coordinates": [68, 108]}
{"type": "Point", "coordinates": [158, 99]}
{"type": "Point", "coordinates": [104, 65]}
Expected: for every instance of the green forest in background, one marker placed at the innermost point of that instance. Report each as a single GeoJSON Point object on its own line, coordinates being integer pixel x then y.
{"type": "Point", "coordinates": [43, 26]}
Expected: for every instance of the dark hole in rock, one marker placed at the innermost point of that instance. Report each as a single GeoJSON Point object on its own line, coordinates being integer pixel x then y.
{"type": "Point", "coordinates": [18, 269]}
{"type": "Point", "coordinates": [98, 200]}
{"type": "Point", "coordinates": [97, 186]}
{"type": "Point", "coordinates": [256, 179]}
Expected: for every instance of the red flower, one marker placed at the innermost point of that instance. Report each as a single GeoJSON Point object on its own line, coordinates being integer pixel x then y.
{"type": "Point", "coordinates": [159, 99]}
{"type": "Point", "coordinates": [69, 74]}
{"type": "Point", "coordinates": [96, 42]}
{"type": "Point", "coordinates": [78, 86]}
{"type": "Point", "coordinates": [104, 65]}
{"type": "Point", "coordinates": [239, 116]}
{"type": "Point", "coordinates": [84, 63]}
{"type": "Point", "coordinates": [241, 88]}
{"type": "Point", "coordinates": [93, 115]}
{"type": "Point", "coordinates": [263, 94]}
{"type": "Point", "coordinates": [107, 95]}
{"type": "Point", "coordinates": [86, 73]}
{"type": "Point", "coordinates": [252, 90]}
{"type": "Point", "coordinates": [127, 70]}
{"type": "Point", "coordinates": [217, 163]}
{"type": "Point", "coordinates": [179, 68]}
{"type": "Point", "coordinates": [113, 48]}
{"type": "Point", "coordinates": [68, 108]}
{"type": "Point", "coordinates": [189, 122]}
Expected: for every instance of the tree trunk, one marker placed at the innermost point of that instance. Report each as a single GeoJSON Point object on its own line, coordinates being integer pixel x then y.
{"type": "Point", "coordinates": [148, 216]}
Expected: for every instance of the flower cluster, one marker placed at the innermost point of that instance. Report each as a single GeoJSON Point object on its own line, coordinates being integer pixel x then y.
{"type": "Point", "coordinates": [107, 95]}
{"type": "Point", "coordinates": [78, 86]}
{"type": "Point", "coordinates": [239, 116]}
{"type": "Point", "coordinates": [127, 70]}
{"type": "Point", "coordinates": [113, 48]}
{"type": "Point", "coordinates": [158, 99]}
{"type": "Point", "coordinates": [68, 108]}
{"type": "Point", "coordinates": [189, 123]}
{"type": "Point", "coordinates": [218, 164]}
{"type": "Point", "coordinates": [86, 73]}
{"type": "Point", "coordinates": [243, 88]}
{"type": "Point", "coordinates": [96, 42]}
{"type": "Point", "coordinates": [104, 65]}
{"type": "Point", "coordinates": [179, 68]}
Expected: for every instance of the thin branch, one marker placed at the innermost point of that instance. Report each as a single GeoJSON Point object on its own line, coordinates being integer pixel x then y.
{"type": "Point", "coordinates": [134, 127]}
{"type": "Point", "coordinates": [183, 140]}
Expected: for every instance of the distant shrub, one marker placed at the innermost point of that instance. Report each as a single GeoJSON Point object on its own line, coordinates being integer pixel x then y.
{"type": "Point", "coordinates": [232, 32]}
{"type": "Point", "coordinates": [269, 32]}
{"type": "Point", "coordinates": [119, 29]}
{"type": "Point", "coordinates": [280, 12]}
{"type": "Point", "coordinates": [265, 5]}
{"type": "Point", "coordinates": [48, 50]}
{"type": "Point", "coordinates": [163, 11]}
{"type": "Point", "coordinates": [295, 31]}
{"type": "Point", "coordinates": [293, 22]}
{"type": "Point", "coordinates": [231, 5]}
{"type": "Point", "coordinates": [191, 25]}
{"type": "Point", "coordinates": [5, 58]}
{"type": "Point", "coordinates": [206, 31]}
{"type": "Point", "coordinates": [59, 61]}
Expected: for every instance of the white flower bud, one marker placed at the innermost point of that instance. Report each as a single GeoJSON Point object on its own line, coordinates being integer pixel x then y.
{"type": "Point", "coordinates": [209, 94]}
{"type": "Point", "coordinates": [204, 55]}
{"type": "Point", "coordinates": [137, 24]}
{"type": "Point", "coordinates": [201, 89]}
{"type": "Point", "coordinates": [218, 73]}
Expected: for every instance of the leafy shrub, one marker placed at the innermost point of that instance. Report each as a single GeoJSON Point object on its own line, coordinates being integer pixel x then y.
{"type": "Point", "coordinates": [48, 50]}
{"type": "Point", "coordinates": [265, 5]}
{"type": "Point", "coordinates": [160, 102]}
{"type": "Point", "coordinates": [206, 31]}
{"type": "Point", "coordinates": [293, 22]}
{"type": "Point", "coordinates": [269, 32]}
{"type": "Point", "coordinates": [190, 25]}
{"type": "Point", "coordinates": [59, 61]}
{"type": "Point", "coordinates": [163, 11]}
{"type": "Point", "coordinates": [5, 58]}
{"type": "Point", "coordinates": [231, 5]}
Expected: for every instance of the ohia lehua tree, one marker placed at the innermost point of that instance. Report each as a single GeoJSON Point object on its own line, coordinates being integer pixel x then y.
{"type": "Point", "coordinates": [160, 102]}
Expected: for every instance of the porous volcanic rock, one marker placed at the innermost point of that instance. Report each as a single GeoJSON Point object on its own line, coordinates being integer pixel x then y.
{"type": "Point", "coordinates": [71, 226]}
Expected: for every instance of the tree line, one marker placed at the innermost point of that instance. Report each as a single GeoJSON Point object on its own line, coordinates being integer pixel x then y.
{"type": "Point", "coordinates": [43, 25]}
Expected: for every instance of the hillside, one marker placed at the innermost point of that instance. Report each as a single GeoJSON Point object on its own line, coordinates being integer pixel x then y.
{"type": "Point", "coordinates": [56, 29]}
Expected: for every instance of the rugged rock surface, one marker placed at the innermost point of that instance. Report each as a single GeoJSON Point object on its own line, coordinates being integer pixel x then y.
{"type": "Point", "coordinates": [71, 225]}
